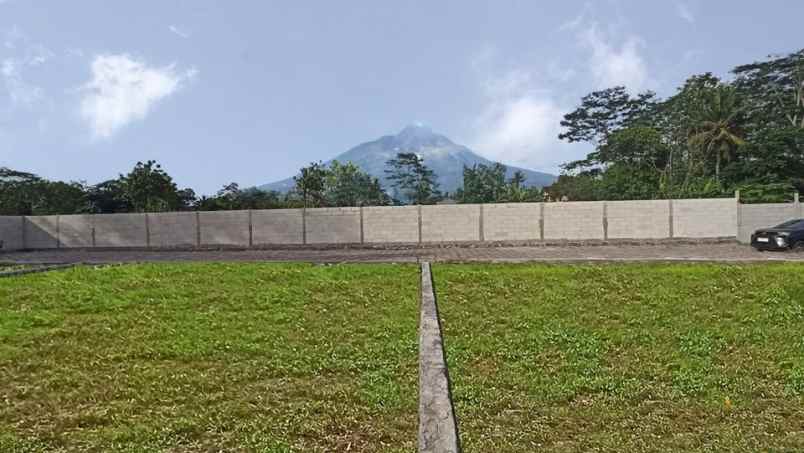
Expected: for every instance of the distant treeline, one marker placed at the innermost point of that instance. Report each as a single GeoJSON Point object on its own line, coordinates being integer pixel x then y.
{"type": "Point", "coordinates": [149, 188]}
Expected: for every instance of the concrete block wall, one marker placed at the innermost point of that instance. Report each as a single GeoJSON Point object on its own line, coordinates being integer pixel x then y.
{"type": "Point", "coordinates": [42, 232]}
{"type": "Point", "coordinates": [391, 224]}
{"type": "Point", "coordinates": [574, 221]}
{"type": "Point", "coordinates": [650, 219]}
{"type": "Point", "coordinates": [642, 219]}
{"type": "Point", "coordinates": [756, 216]}
{"type": "Point", "coordinates": [173, 229]}
{"type": "Point", "coordinates": [120, 230]}
{"type": "Point", "coordinates": [333, 226]}
{"type": "Point", "coordinates": [75, 231]}
{"type": "Point", "coordinates": [277, 226]}
{"type": "Point", "coordinates": [451, 223]}
{"type": "Point", "coordinates": [225, 228]}
{"type": "Point", "coordinates": [11, 235]}
{"type": "Point", "coordinates": [705, 218]}
{"type": "Point", "coordinates": [511, 222]}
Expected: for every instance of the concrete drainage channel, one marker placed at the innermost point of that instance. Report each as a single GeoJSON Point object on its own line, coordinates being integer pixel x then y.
{"type": "Point", "coordinates": [37, 269]}
{"type": "Point", "coordinates": [438, 427]}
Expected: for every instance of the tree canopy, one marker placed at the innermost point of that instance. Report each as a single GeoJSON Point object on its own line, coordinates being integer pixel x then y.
{"type": "Point", "coordinates": [708, 139]}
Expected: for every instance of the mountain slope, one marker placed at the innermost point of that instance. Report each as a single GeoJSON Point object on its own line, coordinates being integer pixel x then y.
{"type": "Point", "coordinates": [444, 157]}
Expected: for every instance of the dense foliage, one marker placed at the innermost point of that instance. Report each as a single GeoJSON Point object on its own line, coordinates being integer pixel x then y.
{"type": "Point", "coordinates": [710, 138]}
{"type": "Point", "coordinates": [146, 188]}
{"type": "Point", "coordinates": [338, 184]}
{"type": "Point", "coordinates": [487, 184]}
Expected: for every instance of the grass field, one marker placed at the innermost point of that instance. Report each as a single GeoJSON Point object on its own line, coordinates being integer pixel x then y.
{"type": "Point", "coordinates": [210, 357]}
{"type": "Point", "coordinates": [625, 357]}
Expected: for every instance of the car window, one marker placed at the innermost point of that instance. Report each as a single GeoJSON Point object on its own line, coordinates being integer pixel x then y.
{"type": "Point", "coordinates": [797, 223]}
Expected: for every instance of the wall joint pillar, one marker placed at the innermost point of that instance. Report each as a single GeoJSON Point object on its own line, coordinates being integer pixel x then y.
{"type": "Point", "coordinates": [197, 229]}
{"type": "Point", "coordinates": [250, 229]}
{"type": "Point", "coordinates": [419, 209]}
{"type": "Point", "coordinates": [541, 221]}
{"type": "Point", "coordinates": [481, 232]}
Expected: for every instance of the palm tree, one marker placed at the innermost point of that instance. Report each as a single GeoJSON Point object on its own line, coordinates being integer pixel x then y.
{"type": "Point", "coordinates": [717, 124]}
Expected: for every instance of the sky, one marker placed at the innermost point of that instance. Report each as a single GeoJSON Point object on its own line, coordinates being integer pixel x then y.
{"type": "Point", "coordinates": [248, 91]}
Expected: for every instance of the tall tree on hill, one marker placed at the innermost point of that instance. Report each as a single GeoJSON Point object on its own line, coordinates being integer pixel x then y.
{"type": "Point", "coordinates": [413, 179]}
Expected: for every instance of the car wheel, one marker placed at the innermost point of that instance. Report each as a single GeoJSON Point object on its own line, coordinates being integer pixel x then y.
{"type": "Point", "coordinates": [798, 247]}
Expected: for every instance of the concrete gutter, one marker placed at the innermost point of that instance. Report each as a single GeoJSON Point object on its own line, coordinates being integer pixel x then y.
{"type": "Point", "coordinates": [37, 270]}
{"type": "Point", "coordinates": [438, 429]}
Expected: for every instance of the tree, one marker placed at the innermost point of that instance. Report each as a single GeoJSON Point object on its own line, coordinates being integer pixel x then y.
{"type": "Point", "coordinates": [19, 192]}
{"type": "Point", "coordinates": [148, 188]}
{"type": "Point", "coordinates": [718, 120]}
{"type": "Point", "coordinates": [603, 112]}
{"type": "Point", "coordinates": [24, 193]}
{"type": "Point", "coordinates": [409, 175]}
{"type": "Point", "coordinates": [774, 90]}
{"type": "Point", "coordinates": [487, 184]}
{"type": "Point", "coordinates": [310, 183]}
{"type": "Point", "coordinates": [347, 185]}
{"type": "Point", "coordinates": [483, 184]}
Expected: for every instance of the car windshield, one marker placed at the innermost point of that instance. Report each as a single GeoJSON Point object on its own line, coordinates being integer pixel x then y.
{"type": "Point", "coordinates": [797, 223]}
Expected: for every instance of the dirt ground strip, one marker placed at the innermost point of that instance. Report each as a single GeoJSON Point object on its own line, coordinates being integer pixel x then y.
{"type": "Point", "coordinates": [664, 252]}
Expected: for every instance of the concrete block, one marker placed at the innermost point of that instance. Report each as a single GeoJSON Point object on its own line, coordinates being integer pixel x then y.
{"type": "Point", "coordinates": [333, 226]}
{"type": "Point", "coordinates": [756, 216]}
{"type": "Point", "coordinates": [578, 220]}
{"type": "Point", "coordinates": [173, 229]}
{"type": "Point", "coordinates": [451, 223]}
{"type": "Point", "coordinates": [511, 221]}
{"type": "Point", "coordinates": [643, 219]}
{"type": "Point", "coordinates": [277, 226]}
{"type": "Point", "coordinates": [389, 224]}
{"type": "Point", "coordinates": [11, 233]}
{"type": "Point", "coordinates": [224, 228]}
{"type": "Point", "coordinates": [75, 231]}
{"type": "Point", "coordinates": [705, 218]}
{"type": "Point", "coordinates": [120, 230]}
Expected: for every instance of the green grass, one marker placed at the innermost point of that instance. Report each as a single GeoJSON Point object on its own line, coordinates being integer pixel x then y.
{"type": "Point", "coordinates": [210, 357]}
{"type": "Point", "coordinates": [626, 357]}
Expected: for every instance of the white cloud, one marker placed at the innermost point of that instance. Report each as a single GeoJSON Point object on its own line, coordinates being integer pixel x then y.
{"type": "Point", "coordinates": [520, 119]}
{"type": "Point", "coordinates": [123, 90]}
{"type": "Point", "coordinates": [683, 10]}
{"type": "Point", "coordinates": [611, 65]}
{"type": "Point", "coordinates": [178, 31]}
{"type": "Point", "coordinates": [520, 130]}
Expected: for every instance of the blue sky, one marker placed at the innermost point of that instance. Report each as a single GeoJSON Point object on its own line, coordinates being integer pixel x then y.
{"type": "Point", "coordinates": [247, 91]}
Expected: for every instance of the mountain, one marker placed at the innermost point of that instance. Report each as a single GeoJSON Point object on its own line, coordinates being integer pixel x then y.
{"type": "Point", "coordinates": [440, 154]}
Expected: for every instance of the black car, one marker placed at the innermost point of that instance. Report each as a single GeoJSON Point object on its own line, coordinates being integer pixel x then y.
{"type": "Point", "coordinates": [787, 235]}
